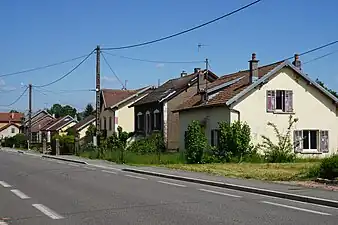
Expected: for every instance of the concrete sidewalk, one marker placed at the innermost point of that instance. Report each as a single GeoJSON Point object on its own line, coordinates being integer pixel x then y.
{"type": "Point", "coordinates": [292, 192]}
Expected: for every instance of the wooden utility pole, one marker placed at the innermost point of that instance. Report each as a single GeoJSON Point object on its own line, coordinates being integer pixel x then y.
{"type": "Point", "coordinates": [29, 115]}
{"type": "Point", "coordinates": [98, 97]}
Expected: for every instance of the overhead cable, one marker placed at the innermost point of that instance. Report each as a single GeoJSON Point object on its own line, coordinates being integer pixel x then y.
{"type": "Point", "coordinates": [16, 99]}
{"type": "Point", "coordinates": [184, 31]}
{"type": "Point", "coordinates": [111, 69]}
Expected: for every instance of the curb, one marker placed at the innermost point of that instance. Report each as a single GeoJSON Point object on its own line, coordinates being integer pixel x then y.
{"type": "Point", "coordinates": [301, 198]}
{"type": "Point", "coordinates": [64, 159]}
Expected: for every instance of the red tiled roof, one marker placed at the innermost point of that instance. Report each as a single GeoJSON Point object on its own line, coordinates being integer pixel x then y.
{"type": "Point", "coordinates": [8, 125]}
{"type": "Point", "coordinates": [13, 117]}
{"type": "Point", "coordinates": [42, 123]}
{"type": "Point", "coordinates": [85, 121]}
{"type": "Point", "coordinates": [58, 123]}
{"type": "Point", "coordinates": [112, 96]}
{"type": "Point", "coordinates": [228, 92]}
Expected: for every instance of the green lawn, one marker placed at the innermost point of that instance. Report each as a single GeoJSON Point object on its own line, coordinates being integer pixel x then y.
{"type": "Point", "coordinates": [259, 171]}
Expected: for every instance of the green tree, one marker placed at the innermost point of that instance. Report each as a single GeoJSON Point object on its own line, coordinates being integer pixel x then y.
{"type": "Point", "coordinates": [196, 142]}
{"type": "Point", "coordinates": [60, 111]}
{"type": "Point", "coordinates": [13, 111]}
{"type": "Point", "coordinates": [328, 89]}
{"type": "Point", "coordinates": [88, 111]}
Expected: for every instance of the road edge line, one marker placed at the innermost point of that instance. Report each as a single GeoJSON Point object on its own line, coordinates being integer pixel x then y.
{"type": "Point", "coordinates": [267, 192]}
{"type": "Point", "coordinates": [64, 159]}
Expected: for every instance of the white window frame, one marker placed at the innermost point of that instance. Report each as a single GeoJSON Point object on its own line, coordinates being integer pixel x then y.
{"type": "Point", "coordinates": [156, 112]}
{"type": "Point", "coordinates": [138, 120]}
{"type": "Point", "coordinates": [309, 141]}
{"type": "Point", "coordinates": [319, 137]}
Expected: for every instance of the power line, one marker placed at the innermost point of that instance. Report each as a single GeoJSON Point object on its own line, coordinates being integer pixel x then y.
{"type": "Point", "coordinates": [315, 49]}
{"type": "Point", "coordinates": [320, 57]}
{"type": "Point", "coordinates": [67, 74]}
{"type": "Point", "coordinates": [111, 69]}
{"type": "Point", "coordinates": [154, 61]}
{"type": "Point", "coordinates": [16, 99]}
{"type": "Point", "coordinates": [42, 67]}
{"type": "Point", "coordinates": [57, 92]}
{"type": "Point", "coordinates": [185, 31]}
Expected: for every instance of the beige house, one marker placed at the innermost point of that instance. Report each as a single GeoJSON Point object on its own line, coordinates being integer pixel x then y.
{"type": "Point", "coordinates": [265, 94]}
{"type": "Point", "coordinates": [57, 126]}
{"type": "Point", "coordinates": [81, 127]}
{"type": "Point", "coordinates": [115, 111]}
{"type": "Point", "coordinates": [9, 130]}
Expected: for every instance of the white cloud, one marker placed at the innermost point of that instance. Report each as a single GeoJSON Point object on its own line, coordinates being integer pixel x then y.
{"type": "Point", "coordinates": [159, 65]}
{"type": "Point", "coordinates": [108, 79]}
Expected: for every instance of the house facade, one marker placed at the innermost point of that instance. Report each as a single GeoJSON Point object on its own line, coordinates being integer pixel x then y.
{"type": "Point", "coordinates": [115, 109]}
{"type": "Point", "coordinates": [269, 94]}
{"type": "Point", "coordinates": [81, 127]}
{"type": "Point", "coordinates": [57, 126]}
{"type": "Point", "coordinates": [39, 120]}
{"type": "Point", "coordinates": [10, 124]}
{"type": "Point", "coordinates": [154, 113]}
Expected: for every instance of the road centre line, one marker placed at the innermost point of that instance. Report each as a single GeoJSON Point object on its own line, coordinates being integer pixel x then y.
{"type": "Point", "coordinates": [296, 208]}
{"type": "Point", "coordinates": [173, 184]}
{"type": "Point", "coordinates": [142, 178]}
{"type": "Point", "coordinates": [48, 212]}
{"type": "Point", "coordinates": [20, 194]}
{"type": "Point", "coordinates": [4, 184]}
{"type": "Point", "coordinates": [107, 171]}
{"type": "Point", "coordinates": [220, 193]}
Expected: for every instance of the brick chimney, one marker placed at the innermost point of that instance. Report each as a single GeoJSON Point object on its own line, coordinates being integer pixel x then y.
{"type": "Point", "coordinates": [296, 62]}
{"type": "Point", "coordinates": [12, 115]}
{"type": "Point", "coordinates": [253, 68]}
{"type": "Point", "coordinates": [200, 81]}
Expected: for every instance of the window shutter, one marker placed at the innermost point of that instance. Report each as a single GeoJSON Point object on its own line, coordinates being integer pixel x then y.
{"type": "Point", "coordinates": [270, 100]}
{"type": "Point", "coordinates": [324, 141]}
{"type": "Point", "coordinates": [288, 101]}
{"type": "Point", "coordinates": [212, 137]}
{"type": "Point", "coordinates": [298, 141]}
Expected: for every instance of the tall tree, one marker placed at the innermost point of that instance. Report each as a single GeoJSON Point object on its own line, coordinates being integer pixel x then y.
{"type": "Point", "coordinates": [88, 111]}
{"type": "Point", "coordinates": [328, 89]}
{"type": "Point", "coordinates": [60, 111]}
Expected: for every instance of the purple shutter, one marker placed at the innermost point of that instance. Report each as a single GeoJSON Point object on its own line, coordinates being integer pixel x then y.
{"type": "Point", "coordinates": [298, 141]}
{"type": "Point", "coordinates": [288, 101]}
{"type": "Point", "coordinates": [324, 141]}
{"type": "Point", "coordinates": [270, 101]}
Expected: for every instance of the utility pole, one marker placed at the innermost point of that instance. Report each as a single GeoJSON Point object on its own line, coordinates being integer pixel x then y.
{"type": "Point", "coordinates": [98, 97]}
{"type": "Point", "coordinates": [29, 115]}
{"type": "Point", "coordinates": [206, 76]}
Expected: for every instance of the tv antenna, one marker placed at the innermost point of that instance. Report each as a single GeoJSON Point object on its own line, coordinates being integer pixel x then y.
{"type": "Point", "coordinates": [199, 46]}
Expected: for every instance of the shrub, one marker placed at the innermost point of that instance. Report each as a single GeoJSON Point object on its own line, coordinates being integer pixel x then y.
{"type": "Point", "coordinates": [19, 141]}
{"type": "Point", "coordinates": [196, 143]}
{"type": "Point", "coordinates": [66, 142]}
{"type": "Point", "coordinates": [234, 141]}
{"type": "Point", "coordinates": [282, 151]}
{"type": "Point", "coordinates": [151, 144]}
{"type": "Point", "coordinates": [328, 168]}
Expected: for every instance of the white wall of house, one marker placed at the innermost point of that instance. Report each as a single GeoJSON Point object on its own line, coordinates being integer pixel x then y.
{"type": "Point", "coordinates": [9, 132]}
{"type": "Point", "coordinates": [108, 114]}
{"type": "Point", "coordinates": [64, 129]}
{"type": "Point", "coordinates": [82, 132]}
{"type": "Point", "coordinates": [314, 110]}
{"type": "Point", "coordinates": [213, 115]}
{"type": "Point", "coordinates": [126, 118]}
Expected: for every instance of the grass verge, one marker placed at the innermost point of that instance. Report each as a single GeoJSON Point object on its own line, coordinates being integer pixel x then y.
{"type": "Point", "coordinates": [259, 171]}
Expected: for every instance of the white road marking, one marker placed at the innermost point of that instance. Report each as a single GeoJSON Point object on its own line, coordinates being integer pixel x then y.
{"type": "Point", "coordinates": [220, 193]}
{"type": "Point", "coordinates": [48, 212]}
{"type": "Point", "coordinates": [142, 178]}
{"type": "Point", "coordinates": [173, 184]}
{"type": "Point", "coordinates": [89, 168]}
{"type": "Point", "coordinates": [3, 223]}
{"type": "Point", "coordinates": [20, 194]}
{"type": "Point", "coordinates": [107, 171]}
{"type": "Point", "coordinates": [297, 208]}
{"type": "Point", "coordinates": [104, 167]}
{"type": "Point", "coordinates": [4, 184]}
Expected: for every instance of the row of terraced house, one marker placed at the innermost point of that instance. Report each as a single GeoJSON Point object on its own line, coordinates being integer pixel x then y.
{"type": "Point", "coordinates": [256, 95]}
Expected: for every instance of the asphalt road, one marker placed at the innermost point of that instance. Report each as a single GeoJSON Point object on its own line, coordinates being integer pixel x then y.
{"type": "Point", "coordinates": [43, 191]}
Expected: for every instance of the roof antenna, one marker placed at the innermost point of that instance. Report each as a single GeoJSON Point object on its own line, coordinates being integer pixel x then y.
{"type": "Point", "coordinates": [199, 46]}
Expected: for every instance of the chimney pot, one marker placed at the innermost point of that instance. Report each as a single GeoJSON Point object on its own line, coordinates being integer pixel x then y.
{"type": "Point", "coordinates": [296, 62]}
{"type": "Point", "coordinates": [183, 73]}
{"type": "Point", "coordinates": [196, 70]}
{"type": "Point", "coordinates": [253, 68]}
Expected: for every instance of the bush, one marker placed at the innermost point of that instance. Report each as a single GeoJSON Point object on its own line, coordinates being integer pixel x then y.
{"type": "Point", "coordinates": [328, 168]}
{"type": "Point", "coordinates": [67, 143]}
{"type": "Point", "coordinates": [19, 141]}
{"type": "Point", "coordinates": [196, 143]}
{"type": "Point", "coordinates": [234, 141]}
{"type": "Point", "coordinates": [282, 151]}
{"type": "Point", "coordinates": [151, 144]}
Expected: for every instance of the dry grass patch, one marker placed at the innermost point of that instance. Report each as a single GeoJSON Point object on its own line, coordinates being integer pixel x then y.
{"type": "Point", "coordinates": [264, 171]}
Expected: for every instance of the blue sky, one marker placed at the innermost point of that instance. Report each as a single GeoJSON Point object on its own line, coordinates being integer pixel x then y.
{"type": "Point", "coordinates": [36, 33]}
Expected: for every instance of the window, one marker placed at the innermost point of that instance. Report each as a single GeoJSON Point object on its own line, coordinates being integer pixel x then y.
{"type": "Point", "coordinates": [148, 122]}
{"type": "Point", "coordinates": [307, 140]}
{"type": "Point", "coordinates": [215, 137]}
{"type": "Point", "coordinates": [110, 123]}
{"type": "Point", "coordinates": [104, 123]}
{"type": "Point", "coordinates": [279, 100]}
{"type": "Point", "coordinates": [139, 121]}
{"type": "Point", "coordinates": [157, 120]}
{"type": "Point", "coordinates": [13, 130]}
